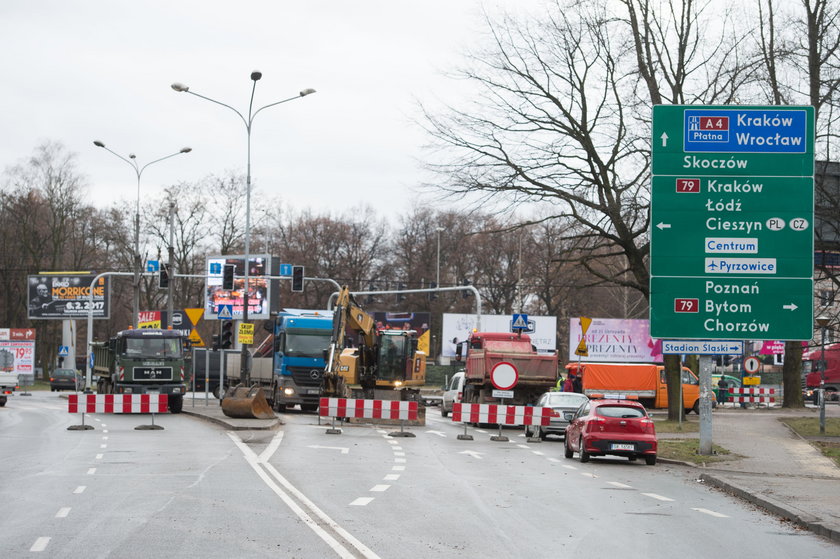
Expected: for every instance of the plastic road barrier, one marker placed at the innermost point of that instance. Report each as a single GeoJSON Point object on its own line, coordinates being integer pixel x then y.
{"type": "Point", "coordinates": [368, 409]}
{"type": "Point", "coordinates": [752, 395]}
{"type": "Point", "coordinates": [117, 403]}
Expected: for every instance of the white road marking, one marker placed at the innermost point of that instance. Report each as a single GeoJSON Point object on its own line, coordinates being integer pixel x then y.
{"type": "Point", "coordinates": [711, 513]}
{"type": "Point", "coordinates": [397, 448]}
{"type": "Point", "coordinates": [538, 452]}
{"type": "Point", "coordinates": [380, 488]}
{"type": "Point", "coordinates": [344, 450]}
{"type": "Point", "coordinates": [620, 485]}
{"type": "Point", "coordinates": [99, 456]}
{"type": "Point", "coordinates": [361, 501]}
{"type": "Point", "coordinates": [391, 477]}
{"type": "Point", "coordinates": [471, 453]}
{"type": "Point", "coordinates": [91, 471]}
{"type": "Point", "coordinates": [62, 512]}
{"type": "Point", "coordinates": [269, 451]}
{"type": "Point", "coordinates": [40, 544]}
{"type": "Point", "coordinates": [399, 454]}
{"type": "Point", "coordinates": [104, 438]}
{"type": "Point", "coordinates": [554, 460]}
{"type": "Point", "coordinates": [97, 419]}
{"type": "Point", "coordinates": [569, 467]}
{"type": "Point", "coordinates": [391, 441]}
{"type": "Point", "coordinates": [398, 468]}
{"type": "Point", "coordinates": [657, 497]}
{"type": "Point", "coordinates": [80, 489]}
{"type": "Point", "coordinates": [588, 474]}
{"type": "Point", "coordinates": [438, 433]}
{"type": "Point", "coordinates": [103, 446]}
{"type": "Point", "coordinates": [382, 431]}
{"type": "Point", "coordinates": [523, 446]}
{"type": "Point", "coordinates": [105, 431]}
{"type": "Point", "coordinates": [399, 460]}
{"type": "Point", "coordinates": [262, 467]}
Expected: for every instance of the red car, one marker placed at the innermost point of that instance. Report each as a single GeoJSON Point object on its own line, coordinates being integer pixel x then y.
{"type": "Point", "coordinates": [618, 427]}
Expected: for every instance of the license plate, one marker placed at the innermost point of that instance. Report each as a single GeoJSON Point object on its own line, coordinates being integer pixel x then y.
{"type": "Point", "coordinates": [623, 446]}
{"type": "Point", "coordinates": [313, 391]}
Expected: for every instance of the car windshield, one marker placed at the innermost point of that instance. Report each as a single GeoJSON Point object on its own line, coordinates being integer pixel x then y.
{"type": "Point", "coordinates": [566, 399]}
{"type": "Point", "coordinates": [620, 411]}
{"type": "Point", "coordinates": [307, 344]}
{"type": "Point", "coordinates": [64, 373]}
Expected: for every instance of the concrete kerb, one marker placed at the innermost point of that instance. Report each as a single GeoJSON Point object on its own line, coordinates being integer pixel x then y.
{"type": "Point", "coordinates": [264, 425]}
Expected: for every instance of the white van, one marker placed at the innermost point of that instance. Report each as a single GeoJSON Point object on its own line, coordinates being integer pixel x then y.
{"type": "Point", "coordinates": [453, 393]}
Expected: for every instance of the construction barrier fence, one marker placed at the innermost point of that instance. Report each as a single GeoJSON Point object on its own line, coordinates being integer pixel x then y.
{"type": "Point", "coordinates": [501, 414]}
{"type": "Point", "coordinates": [368, 409]}
{"type": "Point", "coordinates": [117, 403]}
{"type": "Point", "coordinates": [752, 395]}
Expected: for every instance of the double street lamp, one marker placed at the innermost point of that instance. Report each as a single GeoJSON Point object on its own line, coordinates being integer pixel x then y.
{"type": "Point", "coordinates": [249, 122]}
{"type": "Point", "coordinates": [138, 170]}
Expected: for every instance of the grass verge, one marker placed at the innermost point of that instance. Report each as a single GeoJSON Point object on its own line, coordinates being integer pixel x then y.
{"type": "Point", "coordinates": [669, 426]}
{"type": "Point", "coordinates": [686, 450]}
{"type": "Point", "coordinates": [830, 449]}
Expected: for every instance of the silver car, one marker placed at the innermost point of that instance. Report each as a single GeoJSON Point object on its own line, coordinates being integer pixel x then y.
{"type": "Point", "coordinates": [564, 404]}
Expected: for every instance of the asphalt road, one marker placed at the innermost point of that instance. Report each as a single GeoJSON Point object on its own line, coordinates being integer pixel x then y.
{"type": "Point", "coordinates": [194, 489]}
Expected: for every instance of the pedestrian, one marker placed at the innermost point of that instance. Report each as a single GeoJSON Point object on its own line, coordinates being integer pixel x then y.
{"type": "Point", "coordinates": [722, 391]}
{"type": "Point", "coordinates": [577, 384]}
{"type": "Point", "coordinates": [558, 386]}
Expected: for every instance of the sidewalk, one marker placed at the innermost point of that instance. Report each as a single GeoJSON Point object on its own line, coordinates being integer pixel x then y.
{"type": "Point", "coordinates": [778, 470]}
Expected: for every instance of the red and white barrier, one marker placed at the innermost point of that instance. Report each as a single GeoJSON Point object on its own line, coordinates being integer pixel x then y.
{"type": "Point", "coordinates": [368, 409]}
{"type": "Point", "coordinates": [752, 395]}
{"type": "Point", "coordinates": [501, 414]}
{"type": "Point", "coordinates": [117, 403]}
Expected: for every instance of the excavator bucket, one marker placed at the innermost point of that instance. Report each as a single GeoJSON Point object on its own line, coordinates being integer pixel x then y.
{"type": "Point", "coordinates": [246, 403]}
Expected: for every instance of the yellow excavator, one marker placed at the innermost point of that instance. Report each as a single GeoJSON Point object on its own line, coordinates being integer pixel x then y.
{"type": "Point", "coordinates": [384, 363]}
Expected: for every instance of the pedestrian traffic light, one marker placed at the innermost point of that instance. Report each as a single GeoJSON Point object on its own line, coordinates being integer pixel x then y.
{"type": "Point", "coordinates": [227, 334]}
{"type": "Point", "coordinates": [163, 276]}
{"type": "Point", "coordinates": [227, 276]}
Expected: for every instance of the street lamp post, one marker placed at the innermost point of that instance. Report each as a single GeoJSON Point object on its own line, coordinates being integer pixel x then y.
{"type": "Point", "coordinates": [138, 170]}
{"type": "Point", "coordinates": [249, 121]}
{"type": "Point", "coordinates": [822, 322]}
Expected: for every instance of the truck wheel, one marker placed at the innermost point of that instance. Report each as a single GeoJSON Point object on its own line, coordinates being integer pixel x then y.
{"type": "Point", "coordinates": [176, 402]}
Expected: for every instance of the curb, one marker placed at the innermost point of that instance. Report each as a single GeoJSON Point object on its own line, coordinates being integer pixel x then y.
{"type": "Point", "coordinates": [803, 520]}
{"type": "Point", "coordinates": [275, 423]}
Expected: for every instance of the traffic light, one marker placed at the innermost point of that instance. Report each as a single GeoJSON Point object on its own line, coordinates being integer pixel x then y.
{"type": "Point", "coordinates": [227, 334]}
{"type": "Point", "coordinates": [400, 296]}
{"type": "Point", "coordinates": [297, 279]}
{"type": "Point", "coordinates": [163, 276]}
{"type": "Point", "coordinates": [227, 276]}
{"type": "Point", "coordinates": [369, 300]}
{"type": "Point", "coordinates": [466, 294]}
{"type": "Point", "coordinates": [216, 342]}
{"type": "Point", "coordinates": [432, 295]}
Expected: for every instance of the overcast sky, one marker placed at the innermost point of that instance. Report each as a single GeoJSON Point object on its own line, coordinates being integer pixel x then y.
{"type": "Point", "coordinates": [78, 71]}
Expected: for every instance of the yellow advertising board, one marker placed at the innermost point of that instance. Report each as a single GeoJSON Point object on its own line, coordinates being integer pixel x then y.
{"type": "Point", "coordinates": [246, 333]}
{"type": "Point", "coordinates": [751, 380]}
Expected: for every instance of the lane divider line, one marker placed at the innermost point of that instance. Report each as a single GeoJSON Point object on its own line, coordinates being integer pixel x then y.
{"type": "Point", "coordinates": [361, 501]}
{"type": "Point", "coordinates": [657, 497]}
{"type": "Point", "coordinates": [79, 489]}
{"type": "Point", "coordinates": [62, 512]}
{"type": "Point", "coordinates": [380, 488]}
{"type": "Point", "coordinates": [40, 544]}
{"type": "Point", "coordinates": [710, 513]}
{"type": "Point", "coordinates": [619, 485]}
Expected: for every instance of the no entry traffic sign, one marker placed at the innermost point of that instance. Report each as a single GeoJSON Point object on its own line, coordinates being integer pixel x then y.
{"type": "Point", "coordinates": [504, 376]}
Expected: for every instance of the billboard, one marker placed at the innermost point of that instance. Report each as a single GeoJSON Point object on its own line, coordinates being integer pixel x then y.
{"type": "Point", "coordinates": [66, 295]}
{"type": "Point", "coordinates": [418, 321]}
{"type": "Point", "coordinates": [258, 295]}
{"type": "Point", "coordinates": [17, 356]}
{"type": "Point", "coordinates": [542, 330]}
{"type": "Point", "coordinates": [615, 340]}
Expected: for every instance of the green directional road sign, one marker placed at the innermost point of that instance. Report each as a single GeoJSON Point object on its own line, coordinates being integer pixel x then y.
{"type": "Point", "coordinates": [696, 221]}
{"type": "Point", "coordinates": [732, 202]}
{"type": "Point", "coordinates": [731, 308]}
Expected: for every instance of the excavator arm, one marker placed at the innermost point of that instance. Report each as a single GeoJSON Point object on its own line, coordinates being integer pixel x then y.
{"type": "Point", "coordinates": [349, 316]}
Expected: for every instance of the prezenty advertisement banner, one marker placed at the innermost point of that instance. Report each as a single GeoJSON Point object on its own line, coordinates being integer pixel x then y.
{"type": "Point", "coordinates": [618, 340]}
{"type": "Point", "coordinates": [66, 296]}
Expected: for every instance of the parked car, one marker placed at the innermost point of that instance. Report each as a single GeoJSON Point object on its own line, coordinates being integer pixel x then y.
{"type": "Point", "coordinates": [452, 393]}
{"type": "Point", "coordinates": [66, 379]}
{"type": "Point", "coordinates": [564, 404]}
{"type": "Point", "coordinates": [617, 427]}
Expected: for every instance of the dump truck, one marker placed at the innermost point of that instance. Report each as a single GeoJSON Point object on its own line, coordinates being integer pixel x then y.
{"type": "Point", "coordinates": [642, 381]}
{"type": "Point", "coordinates": [143, 361]}
{"type": "Point", "coordinates": [537, 372]}
{"type": "Point", "coordinates": [814, 378]}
